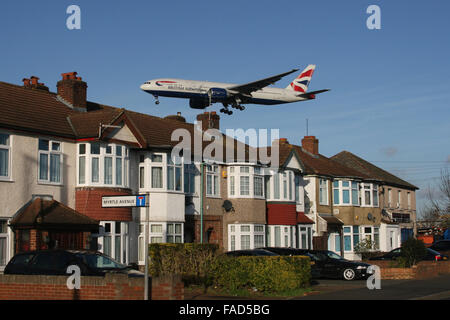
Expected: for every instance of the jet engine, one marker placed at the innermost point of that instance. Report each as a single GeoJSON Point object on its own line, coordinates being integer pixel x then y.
{"type": "Point", "coordinates": [217, 94]}
{"type": "Point", "coordinates": [198, 103]}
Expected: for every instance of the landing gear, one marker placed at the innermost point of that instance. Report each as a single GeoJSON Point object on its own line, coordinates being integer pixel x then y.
{"type": "Point", "coordinates": [238, 107]}
{"type": "Point", "coordinates": [156, 100]}
{"type": "Point", "coordinates": [226, 111]}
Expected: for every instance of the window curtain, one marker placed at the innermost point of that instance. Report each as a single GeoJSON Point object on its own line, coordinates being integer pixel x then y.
{"type": "Point", "coordinates": [156, 177]}
{"type": "Point", "coordinates": [43, 166]}
{"type": "Point", "coordinates": [108, 170]}
{"type": "Point", "coordinates": [119, 171]}
{"type": "Point", "coordinates": [4, 162]}
{"type": "Point", "coordinates": [55, 168]}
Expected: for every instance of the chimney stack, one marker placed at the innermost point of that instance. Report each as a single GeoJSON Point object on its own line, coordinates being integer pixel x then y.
{"type": "Point", "coordinates": [311, 144]}
{"type": "Point", "coordinates": [73, 90]}
{"type": "Point", "coordinates": [209, 120]}
{"type": "Point", "coordinates": [33, 83]}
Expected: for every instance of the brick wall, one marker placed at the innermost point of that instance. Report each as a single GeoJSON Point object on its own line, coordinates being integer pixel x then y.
{"type": "Point", "coordinates": [110, 287]}
{"type": "Point", "coordinates": [88, 201]}
{"type": "Point", "coordinates": [423, 270]}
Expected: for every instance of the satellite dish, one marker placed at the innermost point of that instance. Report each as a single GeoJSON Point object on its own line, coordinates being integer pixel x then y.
{"type": "Point", "coordinates": [369, 216]}
{"type": "Point", "coordinates": [227, 205]}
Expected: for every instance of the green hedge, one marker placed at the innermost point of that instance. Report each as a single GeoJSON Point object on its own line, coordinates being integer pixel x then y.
{"type": "Point", "coordinates": [266, 273]}
{"type": "Point", "coordinates": [191, 260]}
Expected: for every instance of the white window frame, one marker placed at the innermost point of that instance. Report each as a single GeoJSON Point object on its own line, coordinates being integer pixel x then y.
{"type": "Point", "coordinates": [5, 236]}
{"type": "Point", "coordinates": [123, 236]}
{"type": "Point", "coordinates": [286, 185]}
{"type": "Point", "coordinates": [252, 173]}
{"type": "Point", "coordinates": [212, 171]}
{"type": "Point", "coordinates": [177, 165]}
{"type": "Point", "coordinates": [373, 188]}
{"type": "Point", "coordinates": [408, 194]}
{"type": "Point", "coordinates": [49, 154]}
{"type": "Point", "coordinates": [7, 147]}
{"type": "Point", "coordinates": [176, 235]}
{"type": "Point", "coordinates": [235, 233]}
{"type": "Point", "coordinates": [88, 156]}
{"type": "Point", "coordinates": [350, 188]}
{"type": "Point", "coordinates": [305, 229]}
{"type": "Point", "coordinates": [287, 236]}
{"type": "Point", "coordinates": [323, 189]}
{"type": "Point", "coordinates": [299, 192]}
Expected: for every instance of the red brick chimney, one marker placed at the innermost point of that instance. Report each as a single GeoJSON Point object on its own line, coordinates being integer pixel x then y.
{"type": "Point", "coordinates": [311, 144]}
{"type": "Point", "coordinates": [72, 89]}
{"type": "Point", "coordinates": [209, 120]}
{"type": "Point", "coordinates": [33, 83]}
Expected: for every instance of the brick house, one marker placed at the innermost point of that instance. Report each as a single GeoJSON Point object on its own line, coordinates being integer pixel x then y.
{"type": "Point", "coordinates": [397, 199]}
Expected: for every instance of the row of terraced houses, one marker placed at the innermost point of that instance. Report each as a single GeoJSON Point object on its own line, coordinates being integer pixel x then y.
{"type": "Point", "coordinates": [60, 154]}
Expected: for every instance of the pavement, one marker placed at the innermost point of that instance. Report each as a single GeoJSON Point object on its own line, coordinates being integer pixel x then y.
{"type": "Point", "coordinates": [430, 289]}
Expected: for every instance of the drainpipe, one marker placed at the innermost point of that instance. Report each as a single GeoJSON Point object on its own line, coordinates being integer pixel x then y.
{"type": "Point", "coordinates": [201, 200]}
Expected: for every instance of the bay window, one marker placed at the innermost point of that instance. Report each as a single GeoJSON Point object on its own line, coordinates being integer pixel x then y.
{"type": "Point", "coordinates": [283, 185]}
{"type": "Point", "coordinates": [114, 240]}
{"type": "Point", "coordinates": [245, 236]}
{"type": "Point", "coordinates": [245, 181]}
{"type": "Point", "coordinates": [50, 160]}
{"type": "Point", "coordinates": [346, 192]}
{"type": "Point", "coordinates": [174, 233]}
{"type": "Point", "coordinates": [102, 164]}
{"type": "Point", "coordinates": [5, 153]}
{"type": "Point", "coordinates": [3, 243]}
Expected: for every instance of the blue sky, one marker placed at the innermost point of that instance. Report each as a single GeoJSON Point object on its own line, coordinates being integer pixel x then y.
{"type": "Point", "coordinates": [390, 93]}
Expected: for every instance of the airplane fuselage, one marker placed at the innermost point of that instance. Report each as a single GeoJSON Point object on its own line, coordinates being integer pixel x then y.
{"type": "Point", "coordinates": [193, 89]}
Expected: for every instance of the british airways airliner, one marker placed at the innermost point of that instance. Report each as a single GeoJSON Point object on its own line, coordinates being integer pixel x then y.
{"type": "Point", "coordinates": [202, 94]}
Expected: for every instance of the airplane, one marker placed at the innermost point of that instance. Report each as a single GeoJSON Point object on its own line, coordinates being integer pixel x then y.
{"type": "Point", "coordinates": [202, 94]}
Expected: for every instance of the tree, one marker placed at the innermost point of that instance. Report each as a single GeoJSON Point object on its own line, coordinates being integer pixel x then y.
{"type": "Point", "coordinates": [438, 206]}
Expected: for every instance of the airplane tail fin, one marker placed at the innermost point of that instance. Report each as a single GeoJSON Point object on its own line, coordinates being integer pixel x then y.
{"type": "Point", "coordinates": [300, 84]}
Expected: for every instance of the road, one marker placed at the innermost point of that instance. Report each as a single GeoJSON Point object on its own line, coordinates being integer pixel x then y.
{"type": "Point", "coordinates": [431, 289]}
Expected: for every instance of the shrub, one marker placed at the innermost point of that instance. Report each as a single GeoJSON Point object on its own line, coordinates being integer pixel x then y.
{"type": "Point", "coordinates": [365, 248]}
{"type": "Point", "coordinates": [269, 274]}
{"type": "Point", "coordinates": [413, 250]}
{"type": "Point", "coordinates": [191, 260]}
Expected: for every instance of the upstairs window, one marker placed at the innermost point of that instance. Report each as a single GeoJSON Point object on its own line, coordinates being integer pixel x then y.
{"type": "Point", "coordinates": [189, 178]}
{"type": "Point", "coordinates": [323, 191]}
{"type": "Point", "coordinates": [174, 174]}
{"type": "Point", "coordinates": [345, 192]}
{"type": "Point", "coordinates": [246, 182]}
{"type": "Point", "coordinates": [212, 180]}
{"type": "Point", "coordinates": [102, 164]}
{"type": "Point", "coordinates": [50, 160]}
{"type": "Point", "coordinates": [5, 152]}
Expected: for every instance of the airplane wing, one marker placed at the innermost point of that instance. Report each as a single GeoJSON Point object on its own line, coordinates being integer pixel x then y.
{"type": "Point", "coordinates": [248, 88]}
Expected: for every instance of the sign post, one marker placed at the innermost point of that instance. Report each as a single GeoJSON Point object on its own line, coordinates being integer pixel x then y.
{"type": "Point", "coordinates": [136, 201]}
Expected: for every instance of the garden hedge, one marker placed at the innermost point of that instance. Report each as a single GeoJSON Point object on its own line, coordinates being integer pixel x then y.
{"type": "Point", "coordinates": [264, 273]}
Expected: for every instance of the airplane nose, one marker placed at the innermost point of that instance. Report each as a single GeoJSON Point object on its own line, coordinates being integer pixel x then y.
{"type": "Point", "coordinates": [143, 86]}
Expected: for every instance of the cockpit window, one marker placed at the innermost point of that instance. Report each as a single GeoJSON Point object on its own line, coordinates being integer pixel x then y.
{"type": "Point", "coordinates": [148, 82]}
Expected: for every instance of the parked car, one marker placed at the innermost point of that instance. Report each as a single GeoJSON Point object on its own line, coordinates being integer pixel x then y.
{"type": "Point", "coordinates": [431, 255]}
{"type": "Point", "coordinates": [253, 252]}
{"type": "Point", "coordinates": [55, 262]}
{"type": "Point", "coordinates": [315, 270]}
{"type": "Point", "coordinates": [441, 245]}
{"type": "Point", "coordinates": [333, 266]}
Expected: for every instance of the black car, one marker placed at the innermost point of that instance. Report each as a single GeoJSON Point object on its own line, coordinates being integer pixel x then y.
{"type": "Point", "coordinates": [431, 255]}
{"type": "Point", "coordinates": [253, 252]}
{"type": "Point", "coordinates": [55, 262]}
{"type": "Point", "coordinates": [441, 245]}
{"type": "Point", "coordinates": [334, 266]}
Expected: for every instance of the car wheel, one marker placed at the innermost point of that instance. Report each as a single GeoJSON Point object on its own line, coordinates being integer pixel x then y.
{"type": "Point", "coordinates": [349, 274]}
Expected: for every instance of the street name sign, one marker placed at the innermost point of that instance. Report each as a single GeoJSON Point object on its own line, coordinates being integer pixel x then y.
{"type": "Point", "coordinates": [124, 201]}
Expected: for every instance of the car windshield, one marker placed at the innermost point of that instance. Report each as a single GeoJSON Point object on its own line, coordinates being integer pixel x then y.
{"type": "Point", "coordinates": [333, 255]}
{"type": "Point", "coordinates": [97, 261]}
